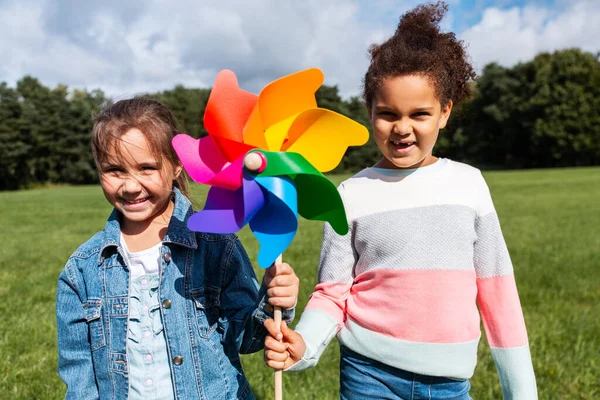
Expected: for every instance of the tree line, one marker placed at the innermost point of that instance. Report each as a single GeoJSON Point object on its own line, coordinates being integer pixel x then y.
{"type": "Point", "coordinates": [537, 114]}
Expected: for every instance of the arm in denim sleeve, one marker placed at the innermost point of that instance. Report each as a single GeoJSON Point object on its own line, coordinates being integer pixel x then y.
{"type": "Point", "coordinates": [243, 304]}
{"type": "Point", "coordinates": [74, 350]}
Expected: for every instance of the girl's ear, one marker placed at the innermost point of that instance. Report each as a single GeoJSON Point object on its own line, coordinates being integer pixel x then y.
{"type": "Point", "coordinates": [368, 106]}
{"type": "Point", "coordinates": [446, 111]}
{"type": "Point", "coordinates": [177, 171]}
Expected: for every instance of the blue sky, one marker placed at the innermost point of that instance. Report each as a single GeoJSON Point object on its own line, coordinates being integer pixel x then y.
{"type": "Point", "coordinates": [131, 47]}
{"type": "Point", "coordinates": [471, 10]}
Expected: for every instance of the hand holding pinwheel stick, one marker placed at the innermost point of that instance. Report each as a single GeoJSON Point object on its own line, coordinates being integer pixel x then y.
{"type": "Point", "coordinates": [263, 158]}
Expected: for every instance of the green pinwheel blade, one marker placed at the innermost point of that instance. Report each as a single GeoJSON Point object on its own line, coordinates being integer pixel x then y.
{"type": "Point", "coordinates": [318, 198]}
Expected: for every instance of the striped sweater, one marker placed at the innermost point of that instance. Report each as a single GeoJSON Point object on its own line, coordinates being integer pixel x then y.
{"type": "Point", "coordinates": [402, 287]}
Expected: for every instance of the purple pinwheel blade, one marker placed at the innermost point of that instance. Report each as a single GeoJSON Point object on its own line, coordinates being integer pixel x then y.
{"type": "Point", "coordinates": [276, 223]}
{"type": "Point", "coordinates": [227, 211]}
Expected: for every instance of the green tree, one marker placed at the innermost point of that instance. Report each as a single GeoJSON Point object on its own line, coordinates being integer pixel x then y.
{"type": "Point", "coordinates": [14, 148]}
{"type": "Point", "coordinates": [542, 113]}
{"type": "Point", "coordinates": [76, 163]}
{"type": "Point", "coordinates": [564, 109]}
{"type": "Point", "coordinates": [42, 122]}
{"type": "Point", "coordinates": [328, 97]}
{"type": "Point", "coordinates": [188, 106]}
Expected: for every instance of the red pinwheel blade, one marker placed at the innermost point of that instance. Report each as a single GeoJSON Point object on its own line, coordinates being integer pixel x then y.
{"type": "Point", "coordinates": [230, 149]}
{"type": "Point", "coordinates": [227, 111]}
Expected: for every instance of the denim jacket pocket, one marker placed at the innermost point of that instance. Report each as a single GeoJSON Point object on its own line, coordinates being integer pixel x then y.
{"type": "Point", "coordinates": [118, 363]}
{"type": "Point", "coordinates": [206, 302]}
{"type": "Point", "coordinates": [93, 316]}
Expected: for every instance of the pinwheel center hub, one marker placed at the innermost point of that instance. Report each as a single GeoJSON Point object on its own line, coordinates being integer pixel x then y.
{"type": "Point", "coordinates": [255, 162]}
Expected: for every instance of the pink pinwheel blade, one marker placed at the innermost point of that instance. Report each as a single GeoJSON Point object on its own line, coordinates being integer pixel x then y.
{"type": "Point", "coordinates": [227, 211]}
{"type": "Point", "coordinates": [204, 162]}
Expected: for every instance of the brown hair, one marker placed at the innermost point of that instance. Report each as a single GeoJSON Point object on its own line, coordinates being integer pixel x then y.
{"type": "Point", "coordinates": [419, 48]}
{"type": "Point", "coordinates": [154, 120]}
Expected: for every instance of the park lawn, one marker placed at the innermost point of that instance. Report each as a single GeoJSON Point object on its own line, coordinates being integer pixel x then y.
{"type": "Point", "coordinates": [550, 219]}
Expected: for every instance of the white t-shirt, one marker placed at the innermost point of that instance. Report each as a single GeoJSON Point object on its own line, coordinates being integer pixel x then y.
{"type": "Point", "coordinates": [143, 262]}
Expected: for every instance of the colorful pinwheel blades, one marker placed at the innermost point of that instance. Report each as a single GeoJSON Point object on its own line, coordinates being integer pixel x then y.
{"type": "Point", "coordinates": [298, 142]}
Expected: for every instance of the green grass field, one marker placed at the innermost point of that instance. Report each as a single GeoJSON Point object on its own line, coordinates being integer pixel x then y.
{"type": "Point", "coordinates": [550, 219]}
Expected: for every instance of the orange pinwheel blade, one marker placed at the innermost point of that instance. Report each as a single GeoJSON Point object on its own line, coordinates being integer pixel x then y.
{"type": "Point", "coordinates": [280, 100]}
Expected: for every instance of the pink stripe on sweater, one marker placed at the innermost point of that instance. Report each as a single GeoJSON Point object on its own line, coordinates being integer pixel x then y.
{"type": "Point", "coordinates": [501, 312]}
{"type": "Point", "coordinates": [433, 306]}
{"type": "Point", "coordinates": [330, 298]}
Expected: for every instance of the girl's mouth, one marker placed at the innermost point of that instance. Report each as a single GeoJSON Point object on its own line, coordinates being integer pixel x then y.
{"type": "Point", "coordinates": [136, 203]}
{"type": "Point", "coordinates": [402, 146]}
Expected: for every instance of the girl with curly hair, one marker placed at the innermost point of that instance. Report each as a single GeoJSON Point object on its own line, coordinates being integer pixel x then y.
{"type": "Point", "coordinates": [401, 290]}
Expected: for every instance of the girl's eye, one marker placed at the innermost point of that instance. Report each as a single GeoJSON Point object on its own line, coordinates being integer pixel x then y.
{"type": "Point", "coordinates": [386, 114]}
{"type": "Point", "coordinates": [113, 170]}
{"type": "Point", "coordinates": [421, 114]}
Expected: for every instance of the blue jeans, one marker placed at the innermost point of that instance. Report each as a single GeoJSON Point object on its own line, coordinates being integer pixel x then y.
{"type": "Point", "coordinates": [364, 378]}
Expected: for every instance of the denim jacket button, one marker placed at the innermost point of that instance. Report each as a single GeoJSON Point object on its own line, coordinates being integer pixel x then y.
{"type": "Point", "coordinates": [269, 308]}
{"type": "Point", "coordinates": [166, 303]}
{"type": "Point", "coordinates": [167, 257]}
{"type": "Point", "coordinates": [177, 360]}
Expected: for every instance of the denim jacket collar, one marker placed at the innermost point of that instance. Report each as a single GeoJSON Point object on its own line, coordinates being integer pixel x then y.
{"type": "Point", "coordinates": [177, 232]}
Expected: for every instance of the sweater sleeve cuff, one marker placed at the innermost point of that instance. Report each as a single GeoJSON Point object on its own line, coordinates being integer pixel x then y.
{"type": "Point", "coordinates": [515, 370]}
{"type": "Point", "coordinates": [317, 328]}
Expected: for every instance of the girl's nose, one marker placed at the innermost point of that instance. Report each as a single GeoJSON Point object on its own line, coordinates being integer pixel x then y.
{"type": "Point", "coordinates": [132, 184]}
{"type": "Point", "coordinates": [402, 127]}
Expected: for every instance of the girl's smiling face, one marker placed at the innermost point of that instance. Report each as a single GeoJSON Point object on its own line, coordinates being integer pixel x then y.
{"type": "Point", "coordinates": [406, 116]}
{"type": "Point", "coordinates": [135, 182]}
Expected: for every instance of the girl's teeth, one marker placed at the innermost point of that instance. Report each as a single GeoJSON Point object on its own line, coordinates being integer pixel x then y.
{"type": "Point", "coordinates": [402, 144]}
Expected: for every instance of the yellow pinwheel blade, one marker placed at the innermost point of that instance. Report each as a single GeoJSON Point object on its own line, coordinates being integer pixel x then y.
{"type": "Point", "coordinates": [322, 137]}
{"type": "Point", "coordinates": [277, 134]}
{"type": "Point", "coordinates": [280, 100]}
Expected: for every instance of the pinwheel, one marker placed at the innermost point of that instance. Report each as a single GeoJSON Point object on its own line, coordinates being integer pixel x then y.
{"type": "Point", "coordinates": [264, 157]}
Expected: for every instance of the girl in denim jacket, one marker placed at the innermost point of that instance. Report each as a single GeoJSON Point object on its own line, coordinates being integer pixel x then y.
{"type": "Point", "coordinates": [146, 308]}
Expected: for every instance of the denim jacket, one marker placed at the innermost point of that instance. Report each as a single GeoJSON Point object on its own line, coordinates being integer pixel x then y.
{"type": "Point", "coordinates": [211, 307]}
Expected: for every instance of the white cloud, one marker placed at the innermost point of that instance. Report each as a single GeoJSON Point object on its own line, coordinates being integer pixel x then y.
{"type": "Point", "coordinates": [26, 49]}
{"type": "Point", "coordinates": [153, 46]}
{"type": "Point", "coordinates": [518, 34]}
{"type": "Point", "coordinates": [139, 46]}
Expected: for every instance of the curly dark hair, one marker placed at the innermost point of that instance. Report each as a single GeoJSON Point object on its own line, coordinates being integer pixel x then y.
{"type": "Point", "coordinates": [419, 48]}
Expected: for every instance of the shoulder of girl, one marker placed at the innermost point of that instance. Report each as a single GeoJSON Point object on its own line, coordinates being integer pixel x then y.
{"type": "Point", "coordinates": [464, 168]}
{"type": "Point", "coordinates": [90, 247]}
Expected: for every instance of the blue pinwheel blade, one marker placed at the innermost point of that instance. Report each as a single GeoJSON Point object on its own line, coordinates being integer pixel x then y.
{"type": "Point", "coordinates": [275, 225]}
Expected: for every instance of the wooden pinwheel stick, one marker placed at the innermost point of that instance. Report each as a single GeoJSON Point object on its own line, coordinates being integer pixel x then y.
{"type": "Point", "coordinates": [256, 162]}
{"type": "Point", "coordinates": [278, 375]}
